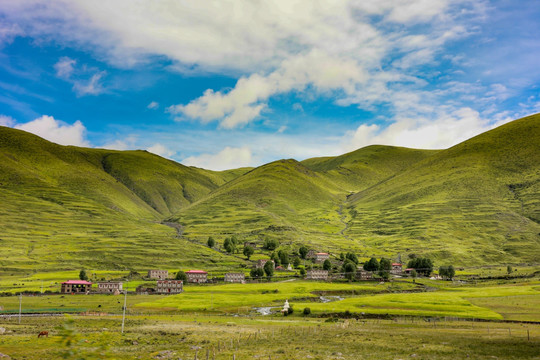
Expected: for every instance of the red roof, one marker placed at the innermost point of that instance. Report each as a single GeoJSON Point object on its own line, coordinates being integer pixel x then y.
{"type": "Point", "coordinates": [77, 282]}
{"type": "Point", "coordinates": [322, 253]}
{"type": "Point", "coordinates": [196, 272]}
{"type": "Point", "coordinates": [396, 264]}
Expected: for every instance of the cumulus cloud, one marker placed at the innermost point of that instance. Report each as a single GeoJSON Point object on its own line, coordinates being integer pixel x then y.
{"type": "Point", "coordinates": [338, 49]}
{"type": "Point", "coordinates": [160, 150]}
{"type": "Point", "coordinates": [441, 132]}
{"type": "Point", "coordinates": [56, 131]}
{"type": "Point", "coordinates": [153, 105]}
{"type": "Point", "coordinates": [228, 158]}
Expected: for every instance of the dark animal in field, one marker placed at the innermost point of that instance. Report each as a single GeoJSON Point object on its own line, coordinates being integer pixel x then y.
{"type": "Point", "coordinates": [43, 333]}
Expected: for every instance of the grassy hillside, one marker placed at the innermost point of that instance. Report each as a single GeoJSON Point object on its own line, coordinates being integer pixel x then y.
{"type": "Point", "coordinates": [65, 207]}
{"type": "Point", "coordinates": [478, 201]}
{"type": "Point", "coordinates": [300, 202]}
{"type": "Point", "coordinates": [365, 167]}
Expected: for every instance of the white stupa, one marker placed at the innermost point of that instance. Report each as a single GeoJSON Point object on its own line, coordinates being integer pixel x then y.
{"type": "Point", "coordinates": [286, 307]}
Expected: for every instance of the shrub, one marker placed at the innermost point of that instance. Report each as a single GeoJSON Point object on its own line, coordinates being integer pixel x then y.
{"type": "Point", "coordinates": [307, 311]}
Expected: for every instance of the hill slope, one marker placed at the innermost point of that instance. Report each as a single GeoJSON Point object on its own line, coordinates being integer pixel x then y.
{"type": "Point", "coordinates": [64, 206]}
{"type": "Point", "coordinates": [478, 201]}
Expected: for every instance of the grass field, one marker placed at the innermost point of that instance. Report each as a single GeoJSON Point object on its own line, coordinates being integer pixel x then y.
{"type": "Point", "coordinates": [222, 337]}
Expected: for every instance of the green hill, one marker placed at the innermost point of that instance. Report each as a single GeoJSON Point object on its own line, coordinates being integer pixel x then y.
{"type": "Point", "coordinates": [478, 201]}
{"type": "Point", "coordinates": [64, 207]}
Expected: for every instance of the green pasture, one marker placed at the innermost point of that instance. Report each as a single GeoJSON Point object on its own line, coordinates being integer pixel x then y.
{"type": "Point", "coordinates": [241, 337]}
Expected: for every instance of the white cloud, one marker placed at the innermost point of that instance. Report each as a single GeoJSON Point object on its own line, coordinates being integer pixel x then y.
{"type": "Point", "coordinates": [93, 86]}
{"type": "Point", "coordinates": [65, 67]}
{"type": "Point", "coordinates": [153, 105]}
{"type": "Point", "coordinates": [6, 121]}
{"type": "Point", "coordinates": [160, 150]}
{"type": "Point", "coordinates": [440, 132]}
{"type": "Point", "coordinates": [56, 131]}
{"type": "Point", "coordinates": [336, 49]}
{"type": "Point", "coordinates": [228, 158]}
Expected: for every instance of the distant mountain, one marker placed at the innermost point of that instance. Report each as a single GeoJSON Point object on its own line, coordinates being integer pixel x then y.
{"type": "Point", "coordinates": [67, 207]}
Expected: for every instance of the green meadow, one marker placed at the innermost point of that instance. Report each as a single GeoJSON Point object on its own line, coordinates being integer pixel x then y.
{"type": "Point", "coordinates": [241, 337]}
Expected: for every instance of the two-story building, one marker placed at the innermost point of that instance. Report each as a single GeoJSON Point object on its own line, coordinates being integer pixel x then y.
{"type": "Point", "coordinates": [158, 274]}
{"type": "Point", "coordinates": [169, 286]}
{"type": "Point", "coordinates": [396, 269]}
{"type": "Point", "coordinates": [197, 276]}
{"type": "Point", "coordinates": [235, 277]}
{"type": "Point", "coordinates": [76, 287]}
{"type": "Point", "coordinates": [109, 287]}
{"type": "Point", "coordinates": [316, 274]}
{"type": "Point", "coordinates": [321, 257]}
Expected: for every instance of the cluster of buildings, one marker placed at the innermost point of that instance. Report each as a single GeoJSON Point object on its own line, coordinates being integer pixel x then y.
{"type": "Point", "coordinates": [164, 285]}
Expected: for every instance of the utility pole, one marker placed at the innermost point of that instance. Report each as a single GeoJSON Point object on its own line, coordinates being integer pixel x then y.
{"type": "Point", "coordinates": [20, 306]}
{"type": "Point", "coordinates": [124, 313]}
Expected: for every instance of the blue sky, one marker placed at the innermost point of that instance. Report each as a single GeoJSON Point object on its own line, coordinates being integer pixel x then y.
{"type": "Point", "coordinates": [224, 84]}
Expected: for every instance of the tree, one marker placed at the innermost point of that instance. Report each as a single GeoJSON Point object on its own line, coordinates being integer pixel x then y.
{"type": "Point", "coordinates": [181, 276]}
{"type": "Point", "coordinates": [275, 257]}
{"type": "Point", "coordinates": [296, 262]}
{"type": "Point", "coordinates": [248, 251]}
{"type": "Point", "coordinates": [447, 272]}
{"type": "Point", "coordinates": [423, 266]}
{"type": "Point", "coordinates": [384, 274]}
{"type": "Point", "coordinates": [385, 264]}
{"type": "Point", "coordinates": [228, 245]}
{"type": "Point", "coordinates": [269, 268]}
{"type": "Point", "coordinates": [349, 268]}
{"type": "Point", "coordinates": [283, 257]}
{"type": "Point", "coordinates": [352, 256]}
{"type": "Point", "coordinates": [508, 269]}
{"type": "Point", "coordinates": [82, 275]}
{"type": "Point", "coordinates": [303, 251]}
{"type": "Point", "coordinates": [270, 244]}
{"type": "Point", "coordinates": [327, 265]}
{"type": "Point", "coordinates": [211, 242]}
{"type": "Point", "coordinates": [302, 270]}
{"type": "Point", "coordinates": [342, 256]}
{"type": "Point", "coordinates": [414, 275]}
{"type": "Point", "coordinates": [256, 273]}
{"type": "Point", "coordinates": [307, 311]}
{"type": "Point", "coordinates": [371, 265]}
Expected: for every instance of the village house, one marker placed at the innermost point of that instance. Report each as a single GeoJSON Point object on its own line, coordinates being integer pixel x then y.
{"type": "Point", "coordinates": [321, 257]}
{"type": "Point", "coordinates": [197, 276]}
{"type": "Point", "coordinates": [110, 287]}
{"type": "Point", "coordinates": [169, 286]}
{"type": "Point", "coordinates": [311, 254]}
{"type": "Point", "coordinates": [75, 287]}
{"type": "Point", "coordinates": [316, 274]}
{"type": "Point", "coordinates": [408, 271]}
{"type": "Point", "coordinates": [260, 263]}
{"type": "Point", "coordinates": [158, 274]}
{"type": "Point", "coordinates": [235, 277]}
{"type": "Point", "coordinates": [396, 269]}
{"type": "Point", "coordinates": [362, 274]}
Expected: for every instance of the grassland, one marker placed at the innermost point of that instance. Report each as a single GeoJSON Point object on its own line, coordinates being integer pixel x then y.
{"type": "Point", "coordinates": [181, 336]}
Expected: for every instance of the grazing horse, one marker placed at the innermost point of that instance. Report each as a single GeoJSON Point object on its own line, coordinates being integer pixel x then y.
{"type": "Point", "coordinates": [43, 333]}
